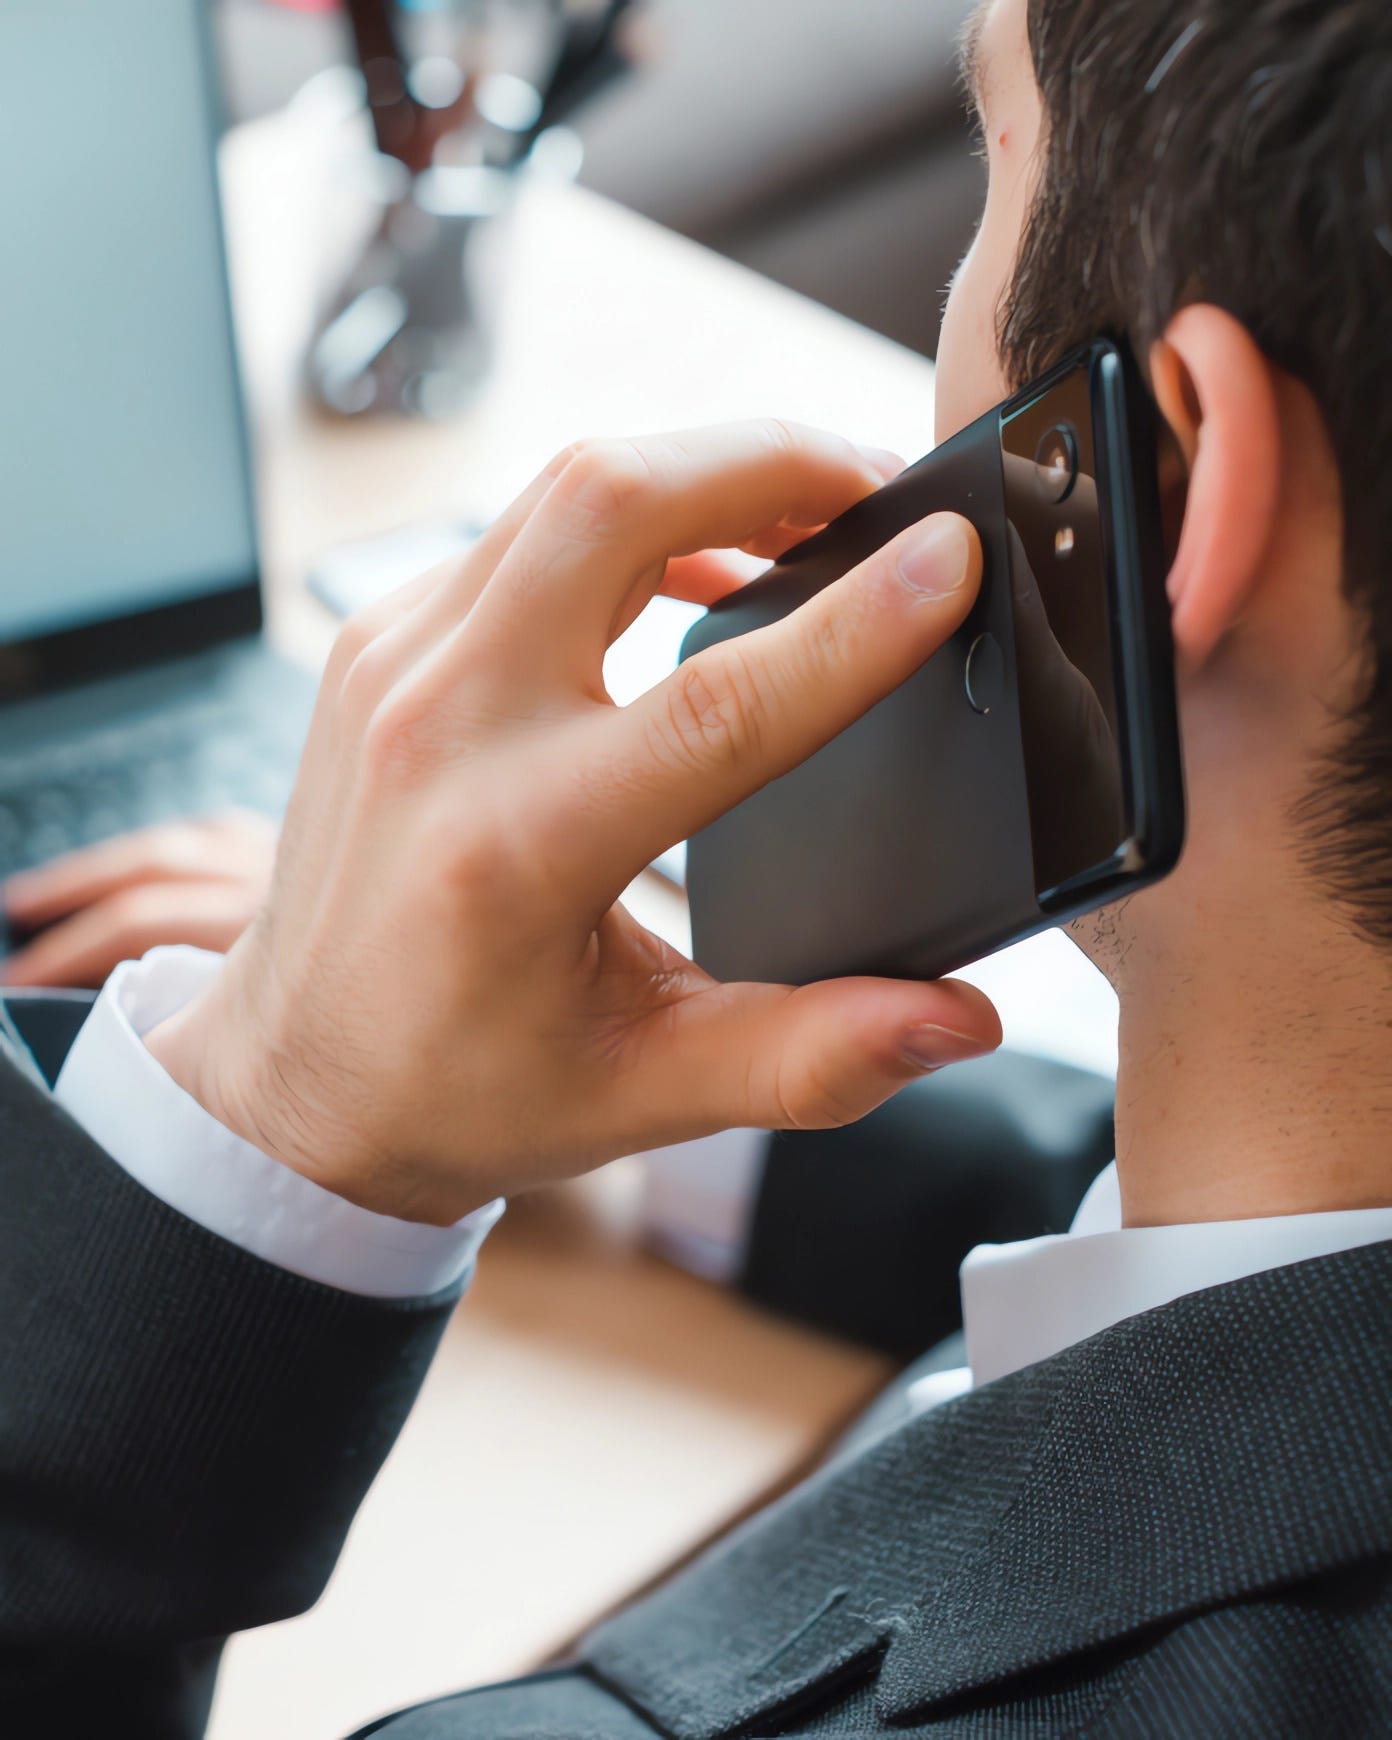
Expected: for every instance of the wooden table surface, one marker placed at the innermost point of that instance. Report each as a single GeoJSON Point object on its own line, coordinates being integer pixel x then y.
{"type": "Point", "coordinates": [594, 1413]}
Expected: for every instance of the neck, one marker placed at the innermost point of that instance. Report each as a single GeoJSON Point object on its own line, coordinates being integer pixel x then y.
{"type": "Point", "coordinates": [1255, 1069]}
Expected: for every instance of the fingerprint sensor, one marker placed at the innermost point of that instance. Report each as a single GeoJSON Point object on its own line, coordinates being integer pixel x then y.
{"type": "Point", "coordinates": [985, 673]}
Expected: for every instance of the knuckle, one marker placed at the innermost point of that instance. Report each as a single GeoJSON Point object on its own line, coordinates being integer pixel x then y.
{"type": "Point", "coordinates": [600, 483]}
{"type": "Point", "coordinates": [477, 858]}
{"type": "Point", "coordinates": [445, 838]}
{"type": "Point", "coordinates": [421, 725]}
{"type": "Point", "coordinates": [784, 437]}
{"type": "Point", "coordinates": [395, 738]}
{"type": "Point", "coordinates": [366, 679]}
{"type": "Point", "coordinates": [713, 716]}
{"type": "Point", "coordinates": [130, 911]}
{"type": "Point", "coordinates": [554, 468]}
{"type": "Point", "coordinates": [368, 628]}
{"type": "Point", "coordinates": [172, 846]}
{"type": "Point", "coordinates": [808, 445]}
{"type": "Point", "coordinates": [351, 641]}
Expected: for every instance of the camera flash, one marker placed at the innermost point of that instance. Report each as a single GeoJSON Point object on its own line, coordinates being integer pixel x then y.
{"type": "Point", "coordinates": [1063, 541]}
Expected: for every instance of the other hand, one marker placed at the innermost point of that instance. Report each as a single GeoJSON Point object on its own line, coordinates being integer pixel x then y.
{"type": "Point", "coordinates": [180, 882]}
{"type": "Point", "coordinates": [442, 999]}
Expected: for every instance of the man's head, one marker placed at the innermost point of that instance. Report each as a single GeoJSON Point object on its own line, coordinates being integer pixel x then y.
{"type": "Point", "coordinates": [1214, 181]}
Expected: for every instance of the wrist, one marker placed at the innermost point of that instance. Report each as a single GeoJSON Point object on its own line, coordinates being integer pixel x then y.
{"type": "Point", "coordinates": [207, 1048]}
{"type": "Point", "coordinates": [231, 1052]}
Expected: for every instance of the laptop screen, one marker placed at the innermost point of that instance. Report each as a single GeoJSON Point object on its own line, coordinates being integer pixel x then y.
{"type": "Point", "coordinates": [123, 470]}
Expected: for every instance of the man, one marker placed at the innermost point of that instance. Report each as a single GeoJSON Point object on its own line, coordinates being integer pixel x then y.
{"type": "Point", "coordinates": [1166, 1508]}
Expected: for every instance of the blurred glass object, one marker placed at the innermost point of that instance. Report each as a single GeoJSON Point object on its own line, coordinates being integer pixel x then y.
{"type": "Point", "coordinates": [464, 97]}
{"type": "Point", "coordinates": [411, 329]}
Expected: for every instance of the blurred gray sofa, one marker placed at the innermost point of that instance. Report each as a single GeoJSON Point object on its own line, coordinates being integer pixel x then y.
{"type": "Point", "coordinates": [823, 142]}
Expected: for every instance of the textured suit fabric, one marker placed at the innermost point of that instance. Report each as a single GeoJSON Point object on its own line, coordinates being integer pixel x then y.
{"type": "Point", "coordinates": [1309, 1664]}
{"type": "Point", "coordinates": [1230, 1446]}
{"type": "Point", "coordinates": [1182, 1526]}
{"type": "Point", "coordinates": [185, 1435]}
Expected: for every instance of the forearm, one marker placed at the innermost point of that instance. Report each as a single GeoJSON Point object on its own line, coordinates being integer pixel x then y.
{"type": "Point", "coordinates": [187, 1430]}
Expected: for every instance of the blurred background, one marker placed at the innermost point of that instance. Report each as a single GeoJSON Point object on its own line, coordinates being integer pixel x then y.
{"type": "Point", "coordinates": [824, 144]}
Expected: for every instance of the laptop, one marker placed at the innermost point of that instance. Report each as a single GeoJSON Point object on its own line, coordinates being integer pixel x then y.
{"type": "Point", "coordinates": [135, 682]}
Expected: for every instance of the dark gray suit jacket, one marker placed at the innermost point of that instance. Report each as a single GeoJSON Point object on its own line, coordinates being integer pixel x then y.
{"type": "Point", "coordinates": [1180, 1527]}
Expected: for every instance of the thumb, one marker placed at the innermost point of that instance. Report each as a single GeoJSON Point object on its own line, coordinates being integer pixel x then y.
{"type": "Point", "coordinates": [813, 1058]}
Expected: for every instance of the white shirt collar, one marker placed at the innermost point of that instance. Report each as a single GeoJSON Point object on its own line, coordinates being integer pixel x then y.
{"type": "Point", "coordinates": [1023, 1302]}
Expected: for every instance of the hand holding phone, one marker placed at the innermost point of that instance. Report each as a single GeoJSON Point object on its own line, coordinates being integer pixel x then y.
{"type": "Point", "coordinates": [1030, 770]}
{"type": "Point", "coordinates": [443, 998]}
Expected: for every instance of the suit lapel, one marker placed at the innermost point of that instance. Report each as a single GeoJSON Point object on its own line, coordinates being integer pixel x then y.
{"type": "Point", "coordinates": [1237, 1440]}
{"type": "Point", "coordinates": [815, 1588]}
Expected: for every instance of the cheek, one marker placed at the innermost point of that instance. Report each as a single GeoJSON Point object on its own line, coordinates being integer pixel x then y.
{"type": "Point", "coordinates": [970, 378]}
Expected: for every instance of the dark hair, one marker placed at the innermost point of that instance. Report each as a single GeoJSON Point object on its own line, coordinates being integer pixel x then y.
{"type": "Point", "coordinates": [1240, 152]}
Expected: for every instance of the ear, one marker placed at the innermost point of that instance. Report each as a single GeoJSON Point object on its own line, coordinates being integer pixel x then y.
{"type": "Point", "coordinates": [1218, 394]}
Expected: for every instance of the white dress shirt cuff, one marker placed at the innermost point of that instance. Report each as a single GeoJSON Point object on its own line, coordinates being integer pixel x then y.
{"type": "Point", "coordinates": [114, 1088]}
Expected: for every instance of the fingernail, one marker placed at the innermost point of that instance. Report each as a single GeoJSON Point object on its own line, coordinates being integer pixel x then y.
{"type": "Point", "coordinates": [935, 563]}
{"type": "Point", "coordinates": [927, 1046]}
{"type": "Point", "coordinates": [881, 461]}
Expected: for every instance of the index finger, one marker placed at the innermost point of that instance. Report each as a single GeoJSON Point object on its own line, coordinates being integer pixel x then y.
{"type": "Point", "coordinates": [741, 713]}
{"type": "Point", "coordinates": [596, 547]}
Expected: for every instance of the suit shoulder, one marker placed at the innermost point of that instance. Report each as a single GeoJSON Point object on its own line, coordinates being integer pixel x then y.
{"type": "Point", "coordinates": [1307, 1660]}
{"type": "Point", "coordinates": [565, 1704]}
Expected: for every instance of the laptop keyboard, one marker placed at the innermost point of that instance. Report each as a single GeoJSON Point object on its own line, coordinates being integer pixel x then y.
{"type": "Point", "coordinates": [194, 759]}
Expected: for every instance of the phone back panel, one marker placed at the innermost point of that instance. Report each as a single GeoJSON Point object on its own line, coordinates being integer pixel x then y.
{"type": "Point", "coordinates": [920, 808]}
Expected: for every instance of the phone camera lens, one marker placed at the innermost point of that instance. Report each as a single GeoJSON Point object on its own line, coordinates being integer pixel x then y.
{"type": "Point", "coordinates": [1057, 459]}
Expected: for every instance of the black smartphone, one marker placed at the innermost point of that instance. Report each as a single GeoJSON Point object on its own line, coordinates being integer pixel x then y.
{"type": "Point", "coordinates": [1030, 770]}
